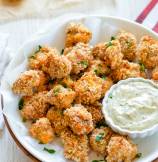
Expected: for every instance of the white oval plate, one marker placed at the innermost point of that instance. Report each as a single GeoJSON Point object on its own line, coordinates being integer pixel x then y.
{"type": "Point", "coordinates": [102, 27]}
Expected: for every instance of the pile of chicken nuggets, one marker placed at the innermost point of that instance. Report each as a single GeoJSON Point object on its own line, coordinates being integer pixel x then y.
{"type": "Point", "coordinates": [62, 92]}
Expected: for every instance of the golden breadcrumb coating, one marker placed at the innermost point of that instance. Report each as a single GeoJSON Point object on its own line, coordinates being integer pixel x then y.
{"type": "Point", "coordinates": [60, 97]}
{"type": "Point", "coordinates": [106, 85]}
{"type": "Point", "coordinates": [100, 138]}
{"type": "Point", "coordinates": [75, 147]}
{"type": "Point", "coordinates": [126, 70]}
{"type": "Point", "coordinates": [80, 57]}
{"type": "Point", "coordinates": [96, 112]}
{"type": "Point", "coordinates": [35, 106]}
{"type": "Point", "coordinates": [99, 50]}
{"type": "Point", "coordinates": [113, 56]}
{"type": "Point", "coordinates": [42, 130]}
{"type": "Point", "coordinates": [57, 66]}
{"type": "Point", "coordinates": [79, 119]}
{"type": "Point", "coordinates": [41, 57]}
{"type": "Point", "coordinates": [155, 73]}
{"type": "Point", "coordinates": [75, 33]}
{"type": "Point", "coordinates": [88, 88]}
{"type": "Point", "coordinates": [99, 68]}
{"type": "Point", "coordinates": [120, 149]}
{"type": "Point", "coordinates": [147, 52]}
{"type": "Point", "coordinates": [128, 44]}
{"type": "Point", "coordinates": [57, 120]}
{"type": "Point", "coordinates": [67, 82]}
{"type": "Point", "coordinates": [29, 82]}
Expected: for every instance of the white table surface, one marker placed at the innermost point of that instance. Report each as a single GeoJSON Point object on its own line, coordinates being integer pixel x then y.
{"type": "Point", "coordinates": [20, 31]}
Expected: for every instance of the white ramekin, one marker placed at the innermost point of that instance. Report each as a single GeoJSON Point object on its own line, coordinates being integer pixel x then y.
{"type": "Point", "coordinates": [133, 134]}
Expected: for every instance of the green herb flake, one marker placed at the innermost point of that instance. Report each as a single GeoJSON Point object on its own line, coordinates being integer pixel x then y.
{"type": "Point", "coordinates": [56, 91]}
{"type": "Point", "coordinates": [142, 67]}
{"type": "Point", "coordinates": [110, 96]}
{"type": "Point", "coordinates": [113, 38]}
{"type": "Point", "coordinates": [84, 63]}
{"type": "Point", "coordinates": [51, 151]}
{"type": "Point", "coordinates": [103, 77]}
{"type": "Point", "coordinates": [39, 48]}
{"type": "Point", "coordinates": [21, 103]}
{"type": "Point", "coordinates": [109, 44]}
{"type": "Point", "coordinates": [51, 81]}
{"type": "Point", "coordinates": [138, 155]}
{"type": "Point", "coordinates": [32, 57]}
{"type": "Point", "coordinates": [98, 160]}
{"type": "Point", "coordinates": [129, 44]}
{"type": "Point", "coordinates": [24, 120]}
{"type": "Point", "coordinates": [62, 51]}
{"type": "Point", "coordinates": [99, 137]}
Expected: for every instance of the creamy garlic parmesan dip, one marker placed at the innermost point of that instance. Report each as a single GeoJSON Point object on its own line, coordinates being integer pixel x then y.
{"type": "Point", "coordinates": [133, 105]}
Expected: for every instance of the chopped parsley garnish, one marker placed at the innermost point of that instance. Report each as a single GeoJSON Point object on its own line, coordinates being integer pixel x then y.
{"type": "Point", "coordinates": [99, 137]}
{"type": "Point", "coordinates": [128, 43]}
{"type": "Point", "coordinates": [98, 160]}
{"type": "Point", "coordinates": [51, 151]}
{"type": "Point", "coordinates": [97, 71]}
{"type": "Point", "coordinates": [103, 77]}
{"type": "Point", "coordinates": [21, 103]}
{"type": "Point", "coordinates": [51, 81]}
{"type": "Point", "coordinates": [56, 91]}
{"type": "Point", "coordinates": [39, 48]}
{"type": "Point", "coordinates": [109, 44]}
{"type": "Point", "coordinates": [33, 56]}
{"type": "Point", "coordinates": [24, 120]}
{"type": "Point", "coordinates": [142, 67]}
{"type": "Point", "coordinates": [138, 155]}
{"type": "Point", "coordinates": [113, 38]}
{"type": "Point", "coordinates": [84, 63]}
{"type": "Point", "coordinates": [62, 51]}
{"type": "Point", "coordinates": [110, 96]}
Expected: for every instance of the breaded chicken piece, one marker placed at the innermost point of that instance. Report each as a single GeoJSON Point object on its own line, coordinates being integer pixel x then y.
{"type": "Point", "coordinates": [57, 120]}
{"type": "Point", "coordinates": [128, 44]}
{"type": "Point", "coordinates": [80, 57]}
{"type": "Point", "coordinates": [121, 149]}
{"type": "Point", "coordinates": [99, 68]}
{"type": "Point", "coordinates": [28, 82]}
{"type": "Point", "coordinates": [42, 130]}
{"type": "Point", "coordinates": [147, 52]}
{"type": "Point", "coordinates": [155, 73]}
{"type": "Point", "coordinates": [113, 56]}
{"type": "Point", "coordinates": [41, 57]}
{"type": "Point", "coordinates": [106, 85]}
{"type": "Point", "coordinates": [126, 70]}
{"type": "Point", "coordinates": [96, 113]}
{"type": "Point", "coordinates": [99, 50]}
{"type": "Point", "coordinates": [88, 88]}
{"type": "Point", "coordinates": [75, 147]}
{"type": "Point", "coordinates": [79, 119]}
{"type": "Point", "coordinates": [67, 82]}
{"type": "Point", "coordinates": [100, 138]}
{"type": "Point", "coordinates": [77, 32]}
{"type": "Point", "coordinates": [34, 107]}
{"type": "Point", "coordinates": [60, 97]}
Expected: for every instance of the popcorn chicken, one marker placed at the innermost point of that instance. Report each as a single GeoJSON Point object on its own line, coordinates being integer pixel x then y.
{"type": "Point", "coordinates": [128, 44]}
{"type": "Point", "coordinates": [80, 57]}
{"type": "Point", "coordinates": [75, 33]}
{"type": "Point", "coordinates": [120, 149]}
{"type": "Point", "coordinates": [106, 85]}
{"type": "Point", "coordinates": [29, 82]}
{"type": "Point", "coordinates": [60, 97]}
{"type": "Point", "coordinates": [155, 73]}
{"type": "Point", "coordinates": [147, 52]}
{"type": "Point", "coordinates": [100, 138]}
{"type": "Point", "coordinates": [79, 119]}
{"type": "Point", "coordinates": [126, 70]}
{"type": "Point", "coordinates": [57, 120]}
{"type": "Point", "coordinates": [34, 107]}
{"type": "Point", "coordinates": [88, 88]}
{"type": "Point", "coordinates": [96, 113]}
{"type": "Point", "coordinates": [113, 56]}
{"type": "Point", "coordinates": [75, 147]}
{"type": "Point", "coordinates": [42, 131]}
